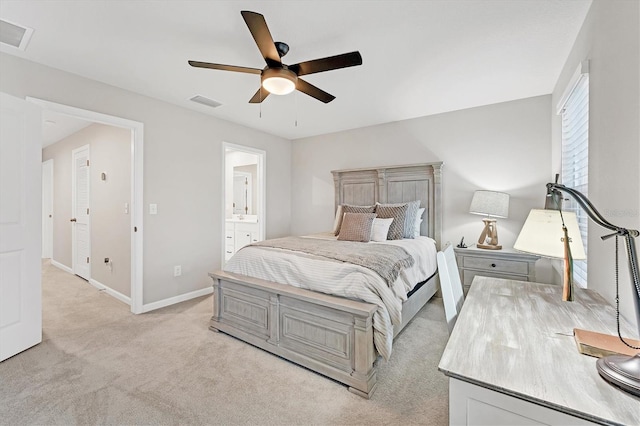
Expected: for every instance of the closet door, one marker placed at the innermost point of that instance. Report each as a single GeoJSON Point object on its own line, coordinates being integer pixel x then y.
{"type": "Point", "coordinates": [80, 226]}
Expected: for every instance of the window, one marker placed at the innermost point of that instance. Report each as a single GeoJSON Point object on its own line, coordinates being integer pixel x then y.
{"type": "Point", "coordinates": [574, 108]}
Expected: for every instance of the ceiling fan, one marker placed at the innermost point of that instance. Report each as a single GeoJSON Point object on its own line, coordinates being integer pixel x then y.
{"type": "Point", "coordinates": [276, 77]}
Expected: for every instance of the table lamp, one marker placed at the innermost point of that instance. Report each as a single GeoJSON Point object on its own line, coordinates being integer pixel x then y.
{"type": "Point", "coordinates": [490, 204]}
{"type": "Point", "coordinates": [553, 234]}
{"type": "Point", "coordinates": [622, 371]}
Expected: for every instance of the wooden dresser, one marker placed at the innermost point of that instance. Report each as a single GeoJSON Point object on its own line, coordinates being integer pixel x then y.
{"type": "Point", "coordinates": [512, 359]}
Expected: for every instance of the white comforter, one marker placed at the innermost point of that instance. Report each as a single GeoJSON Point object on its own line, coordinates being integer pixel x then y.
{"type": "Point", "coordinates": [343, 279]}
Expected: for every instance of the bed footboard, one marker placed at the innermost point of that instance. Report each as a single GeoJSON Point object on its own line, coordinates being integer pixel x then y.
{"type": "Point", "coordinates": [329, 335]}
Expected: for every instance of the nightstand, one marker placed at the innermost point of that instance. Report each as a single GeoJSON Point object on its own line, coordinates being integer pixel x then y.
{"type": "Point", "coordinates": [506, 263]}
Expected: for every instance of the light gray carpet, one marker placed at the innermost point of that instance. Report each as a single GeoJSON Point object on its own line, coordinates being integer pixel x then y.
{"type": "Point", "coordinates": [100, 364]}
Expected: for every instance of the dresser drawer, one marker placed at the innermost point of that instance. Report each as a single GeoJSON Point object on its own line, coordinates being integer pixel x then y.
{"type": "Point", "coordinates": [496, 265]}
{"type": "Point", "coordinates": [469, 275]}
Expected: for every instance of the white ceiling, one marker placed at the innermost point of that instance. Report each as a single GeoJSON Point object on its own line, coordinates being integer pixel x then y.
{"type": "Point", "coordinates": [419, 57]}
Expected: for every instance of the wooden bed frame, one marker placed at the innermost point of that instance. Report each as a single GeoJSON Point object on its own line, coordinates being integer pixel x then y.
{"type": "Point", "coordinates": [330, 335]}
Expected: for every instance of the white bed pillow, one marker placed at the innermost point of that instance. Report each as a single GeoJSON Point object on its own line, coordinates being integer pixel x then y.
{"type": "Point", "coordinates": [380, 229]}
{"type": "Point", "coordinates": [418, 222]}
{"type": "Point", "coordinates": [338, 220]}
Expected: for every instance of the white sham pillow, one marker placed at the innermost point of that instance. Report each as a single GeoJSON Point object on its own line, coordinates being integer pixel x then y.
{"type": "Point", "coordinates": [338, 220]}
{"type": "Point", "coordinates": [418, 222]}
{"type": "Point", "coordinates": [380, 229]}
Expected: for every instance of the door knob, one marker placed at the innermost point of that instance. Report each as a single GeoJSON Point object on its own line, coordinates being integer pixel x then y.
{"type": "Point", "coordinates": [73, 219]}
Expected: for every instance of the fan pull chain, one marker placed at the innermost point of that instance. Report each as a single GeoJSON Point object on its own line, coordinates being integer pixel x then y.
{"type": "Point", "coordinates": [295, 95]}
{"type": "Point", "coordinates": [260, 101]}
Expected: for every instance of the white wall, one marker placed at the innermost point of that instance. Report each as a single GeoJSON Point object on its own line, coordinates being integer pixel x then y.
{"type": "Point", "coordinates": [504, 147]}
{"type": "Point", "coordinates": [610, 39]}
{"type": "Point", "coordinates": [182, 172]}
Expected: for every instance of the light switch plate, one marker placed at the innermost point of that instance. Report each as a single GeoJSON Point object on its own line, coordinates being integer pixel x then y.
{"type": "Point", "coordinates": [153, 209]}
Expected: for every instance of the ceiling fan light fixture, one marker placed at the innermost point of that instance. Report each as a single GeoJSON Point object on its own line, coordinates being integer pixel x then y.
{"type": "Point", "coordinates": [279, 81]}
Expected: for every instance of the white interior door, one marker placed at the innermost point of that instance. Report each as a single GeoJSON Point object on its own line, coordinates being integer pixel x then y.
{"type": "Point", "coordinates": [80, 226]}
{"type": "Point", "coordinates": [47, 209]}
{"type": "Point", "coordinates": [20, 226]}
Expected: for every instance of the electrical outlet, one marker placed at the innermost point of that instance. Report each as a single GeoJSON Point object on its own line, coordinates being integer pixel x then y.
{"type": "Point", "coordinates": [177, 271]}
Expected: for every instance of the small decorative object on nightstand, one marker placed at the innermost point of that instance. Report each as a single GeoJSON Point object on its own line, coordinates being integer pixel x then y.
{"type": "Point", "coordinates": [506, 263]}
{"type": "Point", "coordinates": [489, 203]}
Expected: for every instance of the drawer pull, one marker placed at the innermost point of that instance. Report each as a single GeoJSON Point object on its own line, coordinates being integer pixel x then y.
{"type": "Point", "coordinates": [229, 237]}
{"type": "Point", "coordinates": [493, 265]}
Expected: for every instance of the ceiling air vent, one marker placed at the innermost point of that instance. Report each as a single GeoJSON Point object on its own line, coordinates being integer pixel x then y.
{"type": "Point", "coordinates": [14, 35]}
{"type": "Point", "coordinates": [205, 101]}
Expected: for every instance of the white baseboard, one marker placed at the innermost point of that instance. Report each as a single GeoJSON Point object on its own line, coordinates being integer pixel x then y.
{"type": "Point", "coordinates": [111, 292]}
{"type": "Point", "coordinates": [126, 299]}
{"type": "Point", "coordinates": [61, 266]}
{"type": "Point", "coordinates": [177, 299]}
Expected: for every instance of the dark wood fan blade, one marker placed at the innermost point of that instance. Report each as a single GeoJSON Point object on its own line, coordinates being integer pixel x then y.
{"type": "Point", "coordinates": [313, 91]}
{"type": "Point", "coordinates": [260, 32]}
{"type": "Point", "coordinates": [260, 96]}
{"type": "Point", "coordinates": [326, 64]}
{"type": "Point", "coordinates": [224, 67]}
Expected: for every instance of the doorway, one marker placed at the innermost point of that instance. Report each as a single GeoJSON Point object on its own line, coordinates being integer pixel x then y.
{"type": "Point", "coordinates": [243, 194]}
{"type": "Point", "coordinates": [134, 205]}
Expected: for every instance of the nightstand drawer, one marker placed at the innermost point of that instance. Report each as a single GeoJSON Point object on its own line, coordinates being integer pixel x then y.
{"type": "Point", "coordinates": [499, 266]}
{"type": "Point", "coordinates": [468, 276]}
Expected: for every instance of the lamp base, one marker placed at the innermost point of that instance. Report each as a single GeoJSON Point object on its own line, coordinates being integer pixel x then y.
{"type": "Point", "coordinates": [489, 237]}
{"type": "Point", "coordinates": [488, 247]}
{"type": "Point", "coordinates": [621, 371]}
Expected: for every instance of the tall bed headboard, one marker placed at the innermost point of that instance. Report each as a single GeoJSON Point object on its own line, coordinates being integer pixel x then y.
{"type": "Point", "coordinates": [395, 184]}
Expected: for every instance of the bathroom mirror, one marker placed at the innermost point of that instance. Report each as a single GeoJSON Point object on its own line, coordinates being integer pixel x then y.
{"type": "Point", "coordinates": [244, 178]}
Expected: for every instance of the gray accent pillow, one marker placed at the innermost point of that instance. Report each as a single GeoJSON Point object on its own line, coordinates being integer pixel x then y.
{"type": "Point", "coordinates": [410, 217]}
{"type": "Point", "coordinates": [346, 208]}
{"type": "Point", "coordinates": [356, 227]}
{"type": "Point", "coordinates": [398, 213]}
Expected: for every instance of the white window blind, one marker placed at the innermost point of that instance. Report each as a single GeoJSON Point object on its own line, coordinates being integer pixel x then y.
{"type": "Point", "coordinates": [575, 159]}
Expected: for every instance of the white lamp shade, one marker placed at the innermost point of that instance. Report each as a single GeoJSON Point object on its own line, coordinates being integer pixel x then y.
{"type": "Point", "coordinates": [490, 203]}
{"type": "Point", "coordinates": [542, 234]}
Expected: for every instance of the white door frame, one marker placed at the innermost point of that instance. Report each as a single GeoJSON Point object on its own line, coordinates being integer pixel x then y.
{"type": "Point", "coordinates": [261, 188]}
{"type": "Point", "coordinates": [78, 265]}
{"type": "Point", "coordinates": [137, 208]}
{"type": "Point", "coordinates": [47, 209]}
